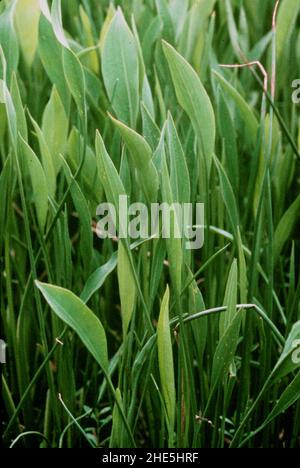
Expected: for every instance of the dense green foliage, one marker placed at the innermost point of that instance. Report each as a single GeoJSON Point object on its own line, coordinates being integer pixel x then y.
{"type": "Point", "coordinates": [117, 344]}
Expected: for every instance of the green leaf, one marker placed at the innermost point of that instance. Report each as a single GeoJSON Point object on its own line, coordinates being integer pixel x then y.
{"type": "Point", "coordinates": [230, 300]}
{"type": "Point", "coordinates": [179, 177]}
{"type": "Point", "coordinates": [38, 182]}
{"type": "Point", "coordinates": [151, 131]}
{"type": "Point", "coordinates": [286, 21]}
{"type": "Point", "coordinates": [194, 99]}
{"type": "Point", "coordinates": [173, 239]}
{"type": "Point", "coordinates": [165, 359]}
{"type": "Point", "coordinates": [82, 208]}
{"type": "Point", "coordinates": [56, 20]}
{"type": "Point", "coordinates": [97, 279]}
{"type": "Point", "coordinates": [120, 69]}
{"type": "Point", "coordinates": [228, 197]}
{"type": "Point", "coordinates": [285, 227]}
{"type": "Point", "coordinates": [27, 22]}
{"type": "Point", "coordinates": [141, 156]}
{"type": "Point", "coordinates": [127, 288]}
{"type": "Point", "coordinates": [71, 310]}
{"type": "Point", "coordinates": [16, 97]}
{"type": "Point", "coordinates": [245, 111]}
{"type": "Point", "coordinates": [290, 396]}
{"type": "Point", "coordinates": [46, 158]}
{"type": "Point", "coordinates": [50, 52]}
{"type": "Point", "coordinates": [9, 41]}
{"type": "Point", "coordinates": [225, 351]}
{"type": "Point", "coordinates": [55, 126]}
{"type": "Point", "coordinates": [75, 79]}
{"type": "Point", "coordinates": [108, 174]}
{"type": "Point", "coordinates": [117, 433]}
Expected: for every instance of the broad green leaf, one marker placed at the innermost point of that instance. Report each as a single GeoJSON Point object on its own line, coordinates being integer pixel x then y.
{"type": "Point", "coordinates": [117, 434]}
{"type": "Point", "coordinates": [75, 79]}
{"type": "Point", "coordinates": [226, 350]}
{"type": "Point", "coordinates": [71, 310]}
{"type": "Point", "coordinates": [173, 238]}
{"type": "Point", "coordinates": [105, 27]}
{"type": "Point", "coordinates": [55, 126]}
{"type": "Point", "coordinates": [243, 108]}
{"type": "Point", "coordinates": [27, 17]}
{"type": "Point", "coordinates": [141, 156]}
{"type": "Point", "coordinates": [285, 227]}
{"type": "Point", "coordinates": [5, 98]}
{"type": "Point", "coordinates": [56, 20]}
{"type": "Point", "coordinates": [9, 41]}
{"type": "Point", "coordinates": [16, 97]}
{"type": "Point", "coordinates": [108, 174]}
{"type": "Point", "coordinates": [151, 131]}
{"type": "Point", "coordinates": [165, 16]}
{"type": "Point", "coordinates": [92, 57]}
{"type": "Point", "coordinates": [286, 20]}
{"type": "Point", "coordinates": [178, 10]}
{"type": "Point", "coordinates": [165, 359]}
{"type": "Point", "coordinates": [50, 52]}
{"type": "Point", "coordinates": [194, 99]}
{"type": "Point", "coordinates": [120, 69]}
{"type": "Point", "coordinates": [38, 182]}
{"type": "Point", "coordinates": [194, 27]}
{"type": "Point", "coordinates": [230, 300]}
{"type": "Point", "coordinates": [179, 174]}
{"type": "Point", "coordinates": [228, 133]}
{"type": "Point", "coordinates": [97, 279]}
{"type": "Point", "coordinates": [127, 288]}
{"type": "Point", "coordinates": [46, 158]}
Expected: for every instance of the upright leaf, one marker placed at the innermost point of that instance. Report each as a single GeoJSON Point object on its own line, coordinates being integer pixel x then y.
{"type": "Point", "coordinates": [120, 69]}
{"type": "Point", "coordinates": [27, 21]}
{"type": "Point", "coordinates": [9, 41]}
{"type": "Point", "coordinates": [127, 288]}
{"type": "Point", "coordinates": [141, 156]}
{"type": "Point", "coordinates": [194, 99]}
{"type": "Point", "coordinates": [165, 359]}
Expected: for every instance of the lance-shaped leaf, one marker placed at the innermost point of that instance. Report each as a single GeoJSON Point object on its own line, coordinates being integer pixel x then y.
{"type": "Point", "coordinates": [285, 227]}
{"type": "Point", "coordinates": [245, 111]}
{"type": "Point", "coordinates": [141, 156]}
{"type": "Point", "coordinates": [180, 178]}
{"type": "Point", "coordinates": [71, 310]}
{"type": "Point", "coordinates": [9, 41]}
{"type": "Point", "coordinates": [50, 52]}
{"type": "Point", "coordinates": [27, 21]}
{"type": "Point", "coordinates": [55, 128]}
{"type": "Point", "coordinates": [120, 69]}
{"type": "Point", "coordinates": [194, 99]}
{"type": "Point", "coordinates": [38, 182]}
{"type": "Point", "coordinates": [127, 288]}
{"type": "Point", "coordinates": [165, 359]}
